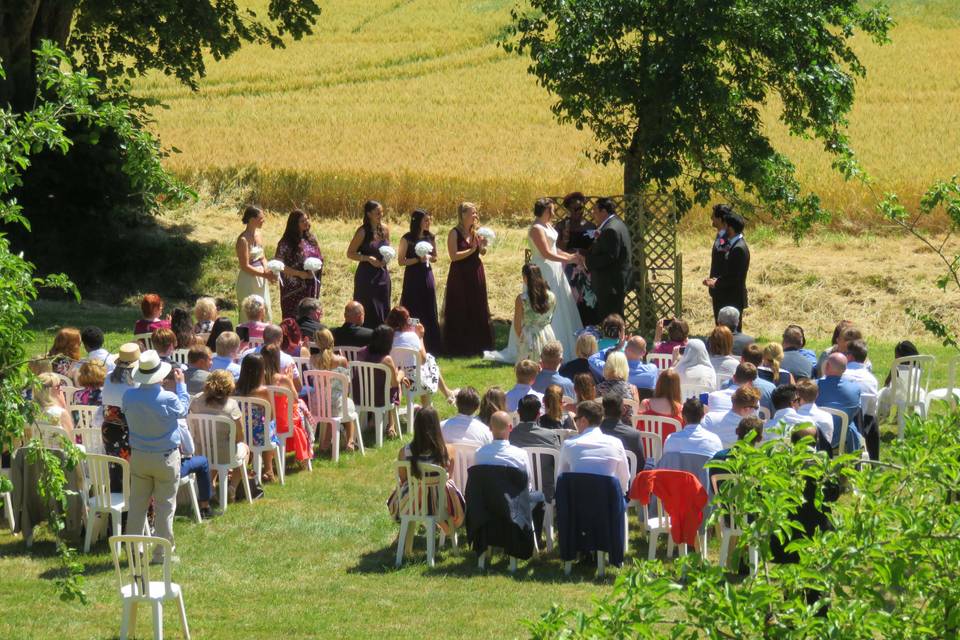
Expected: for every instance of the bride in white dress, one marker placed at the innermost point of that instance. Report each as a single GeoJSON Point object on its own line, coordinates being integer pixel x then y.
{"type": "Point", "coordinates": [542, 239]}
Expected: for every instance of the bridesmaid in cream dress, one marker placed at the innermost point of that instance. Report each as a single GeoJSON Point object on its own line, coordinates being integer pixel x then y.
{"type": "Point", "coordinates": [254, 277]}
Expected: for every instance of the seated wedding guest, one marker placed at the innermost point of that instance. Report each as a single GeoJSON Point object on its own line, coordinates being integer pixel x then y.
{"type": "Point", "coordinates": [322, 358]}
{"type": "Point", "coordinates": [216, 400]}
{"type": "Point", "coordinates": [797, 360]}
{"type": "Point", "coordinates": [429, 446]}
{"type": "Point", "coordinates": [641, 375]}
{"type": "Point", "coordinates": [293, 343]}
{"type": "Point", "coordinates": [613, 330]}
{"type": "Point", "coordinates": [665, 401]}
{"type": "Point", "coordinates": [493, 400]}
{"type": "Point", "coordinates": [53, 405]}
{"type": "Point", "coordinates": [613, 425]}
{"type": "Point", "coordinates": [526, 372]}
{"type": "Point", "coordinates": [309, 315]}
{"type": "Point", "coordinates": [836, 392]}
{"type": "Point", "coordinates": [273, 335]}
{"type": "Point", "coordinates": [501, 452]}
{"type": "Point", "coordinates": [677, 333]}
{"type": "Point", "coordinates": [593, 451]}
{"type": "Point", "coordinates": [220, 325]}
{"type": "Point", "coordinates": [786, 401]}
{"type": "Point", "coordinates": [585, 387]}
{"type": "Point", "coordinates": [228, 345]}
{"type": "Point", "coordinates": [199, 362]}
{"type": "Point", "coordinates": [165, 343]}
{"type": "Point", "coordinates": [204, 313]}
{"type": "Point", "coordinates": [550, 358]}
{"type": "Point", "coordinates": [753, 354]}
{"type": "Point", "coordinates": [745, 402]}
{"type": "Point", "coordinates": [851, 334]}
{"type": "Point", "coordinates": [693, 438]}
{"type": "Point", "coordinates": [352, 333]}
{"type": "Point", "coordinates": [586, 347]}
{"type": "Point", "coordinates": [842, 326]}
{"type": "Point", "coordinates": [151, 308]}
{"type": "Point", "coordinates": [254, 311]}
{"type": "Point", "coordinates": [407, 335]}
{"type": "Point", "coordinates": [808, 391]}
{"type": "Point", "coordinates": [92, 339]}
{"type": "Point", "coordinates": [857, 369]}
{"type": "Point", "coordinates": [750, 428]}
{"type": "Point", "coordinates": [182, 327]}
{"type": "Point", "coordinates": [695, 369]}
{"type": "Point", "coordinates": [528, 433]}
{"type": "Point", "coordinates": [555, 416]}
{"type": "Point", "coordinates": [463, 427]}
{"type": "Point", "coordinates": [729, 317]}
{"type": "Point", "coordinates": [771, 371]}
{"type": "Point", "coordinates": [199, 466]}
{"type": "Point", "coordinates": [903, 349]}
{"type": "Point", "coordinates": [91, 378]}
{"type": "Point", "coordinates": [720, 346]}
{"type": "Point", "coordinates": [252, 383]}
{"type": "Point", "coordinates": [378, 352]}
{"type": "Point", "coordinates": [745, 375]}
{"type": "Point", "coordinates": [116, 435]}
{"type": "Point", "coordinates": [274, 376]}
{"type": "Point", "coordinates": [615, 372]}
{"type": "Point", "coordinates": [65, 353]}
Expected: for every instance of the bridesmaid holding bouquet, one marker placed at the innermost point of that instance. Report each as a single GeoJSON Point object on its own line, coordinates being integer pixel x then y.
{"type": "Point", "coordinates": [417, 253]}
{"type": "Point", "coordinates": [466, 312]}
{"type": "Point", "coordinates": [371, 248]}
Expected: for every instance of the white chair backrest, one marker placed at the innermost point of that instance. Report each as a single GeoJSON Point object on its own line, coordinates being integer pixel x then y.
{"type": "Point", "coordinates": [464, 455]}
{"type": "Point", "coordinates": [180, 356]}
{"type": "Point", "coordinates": [65, 383]}
{"type": "Point", "coordinates": [255, 342]}
{"type": "Point", "coordinates": [652, 445]}
{"type": "Point", "coordinates": [661, 361]}
{"type": "Point", "coordinates": [634, 406]}
{"type": "Point", "coordinates": [764, 414]}
{"type": "Point", "coordinates": [145, 339]}
{"type": "Point", "coordinates": [631, 464]}
{"type": "Point", "coordinates": [91, 438]}
{"type": "Point", "coordinates": [350, 353]}
{"type": "Point", "coordinates": [98, 478]}
{"type": "Point", "coordinates": [715, 482]}
{"type": "Point", "coordinates": [536, 455]}
{"type": "Point", "coordinates": [52, 436]}
{"type": "Point", "coordinates": [248, 407]}
{"type": "Point", "coordinates": [406, 357]}
{"type": "Point", "coordinates": [868, 403]}
{"type": "Point", "coordinates": [723, 379]}
{"type": "Point", "coordinates": [655, 424]}
{"type": "Point", "coordinates": [567, 433]}
{"type": "Point", "coordinates": [83, 414]}
{"type": "Point", "coordinates": [138, 551]}
{"type": "Point", "coordinates": [844, 425]}
{"type": "Point", "coordinates": [288, 417]}
{"type": "Point", "coordinates": [911, 377]}
{"type": "Point", "coordinates": [303, 365]}
{"type": "Point", "coordinates": [68, 391]}
{"type": "Point", "coordinates": [320, 397]}
{"type": "Point", "coordinates": [204, 428]}
{"type": "Point", "coordinates": [688, 391]}
{"type": "Point", "coordinates": [429, 488]}
{"type": "Point", "coordinates": [365, 375]}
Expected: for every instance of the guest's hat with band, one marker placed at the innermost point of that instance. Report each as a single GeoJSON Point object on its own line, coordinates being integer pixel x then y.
{"type": "Point", "coordinates": [128, 353]}
{"type": "Point", "coordinates": [151, 369]}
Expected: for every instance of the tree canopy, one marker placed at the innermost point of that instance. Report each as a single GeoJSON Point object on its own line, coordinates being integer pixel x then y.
{"type": "Point", "coordinates": [674, 89]}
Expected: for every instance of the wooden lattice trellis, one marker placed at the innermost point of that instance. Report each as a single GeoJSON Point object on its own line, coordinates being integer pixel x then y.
{"type": "Point", "coordinates": [658, 268]}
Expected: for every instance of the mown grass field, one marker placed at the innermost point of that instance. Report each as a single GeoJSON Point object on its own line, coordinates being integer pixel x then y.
{"type": "Point", "coordinates": [412, 102]}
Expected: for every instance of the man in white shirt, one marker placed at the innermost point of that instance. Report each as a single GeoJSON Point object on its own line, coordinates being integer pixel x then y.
{"type": "Point", "coordinates": [500, 452]}
{"type": "Point", "coordinates": [693, 438]}
{"type": "Point", "coordinates": [722, 400]}
{"type": "Point", "coordinates": [593, 451]}
{"type": "Point", "coordinates": [526, 372]}
{"type": "Point", "coordinates": [785, 416]}
{"type": "Point", "coordinates": [745, 402]}
{"type": "Point", "coordinates": [463, 427]}
{"type": "Point", "coordinates": [857, 371]}
{"type": "Point", "coordinates": [808, 391]}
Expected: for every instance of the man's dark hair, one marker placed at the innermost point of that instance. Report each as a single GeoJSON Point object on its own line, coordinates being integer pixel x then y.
{"type": "Point", "coordinates": [793, 336]}
{"type": "Point", "coordinates": [468, 401]}
{"type": "Point", "coordinates": [783, 396]}
{"type": "Point", "coordinates": [753, 354]}
{"type": "Point", "coordinates": [722, 210]}
{"type": "Point", "coordinates": [692, 411]}
{"type": "Point", "coordinates": [857, 350]}
{"type": "Point", "coordinates": [591, 410]}
{"type": "Point", "coordinates": [612, 405]}
{"type": "Point", "coordinates": [748, 424]}
{"type": "Point", "coordinates": [746, 372]}
{"type": "Point", "coordinates": [528, 408]}
{"type": "Point", "coordinates": [307, 306]}
{"type": "Point", "coordinates": [92, 338]}
{"type": "Point", "coordinates": [608, 205]}
{"type": "Point", "coordinates": [735, 221]}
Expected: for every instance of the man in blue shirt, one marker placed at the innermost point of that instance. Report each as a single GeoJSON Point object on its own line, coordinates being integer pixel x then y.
{"type": "Point", "coordinates": [152, 415]}
{"type": "Point", "coordinates": [551, 357]}
{"type": "Point", "coordinates": [643, 376]}
{"type": "Point", "coordinates": [837, 392]}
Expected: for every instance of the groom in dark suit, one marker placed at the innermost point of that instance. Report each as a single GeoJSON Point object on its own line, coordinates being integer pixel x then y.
{"type": "Point", "coordinates": [610, 260]}
{"type": "Point", "coordinates": [729, 287]}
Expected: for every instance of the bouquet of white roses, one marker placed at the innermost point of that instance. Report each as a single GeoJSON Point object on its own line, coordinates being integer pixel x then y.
{"type": "Point", "coordinates": [423, 249]}
{"type": "Point", "coordinates": [487, 234]}
{"type": "Point", "coordinates": [277, 267]}
{"type": "Point", "coordinates": [388, 253]}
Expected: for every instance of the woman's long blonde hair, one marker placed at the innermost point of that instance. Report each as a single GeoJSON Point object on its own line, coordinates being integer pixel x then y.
{"type": "Point", "coordinates": [324, 359]}
{"type": "Point", "coordinates": [773, 354]}
{"type": "Point", "coordinates": [553, 402]}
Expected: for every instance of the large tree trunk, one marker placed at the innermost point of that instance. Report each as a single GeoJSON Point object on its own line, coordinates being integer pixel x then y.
{"type": "Point", "coordinates": [23, 25]}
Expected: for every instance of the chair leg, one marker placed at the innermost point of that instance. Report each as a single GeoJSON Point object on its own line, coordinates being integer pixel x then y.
{"type": "Point", "coordinates": [724, 548]}
{"type": "Point", "coordinates": [246, 484]}
{"type": "Point", "coordinates": [157, 620]}
{"type": "Point", "coordinates": [223, 477]}
{"type": "Point", "coordinates": [183, 617]}
{"type": "Point", "coordinates": [431, 542]}
{"type": "Point", "coordinates": [653, 539]}
{"type": "Point", "coordinates": [378, 428]}
{"type": "Point", "coordinates": [548, 526]}
{"type": "Point", "coordinates": [91, 523]}
{"type": "Point", "coordinates": [334, 440]}
{"type": "Point", "coordinates": [901, 420]}
{"type": "Point", "coordinates": [754, 559]}
{"type": "Point", "coordinates": [128, 620]}
{"type": "Point", "coordinates": [258, 464]}
{"type": "Point", "coordinates": [280, 460]}
{"type": "Point", "coordinates": [567, 567]}
{"type": "Point", "coordinates": [8, 510]}
{"type": "Point", "coordinates": [601, 563]}
{"type": "Point", "coordinates": [192, 487]}
{"type": "Point", "coordinates": [402, 540]}
{"type": "Point", "coordinates": [513, 565]}
{"type": "Point", "coordinates": [626, 532]}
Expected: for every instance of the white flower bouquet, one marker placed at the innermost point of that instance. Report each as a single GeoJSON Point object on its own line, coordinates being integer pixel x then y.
{"type": "Point", "coordinates": [388, 253]}
{"type": "Point", "coordinates": [277, 267]}
{"type": "Point", "coordinates": [423, 249]}
{"type": "Point", "coordinates": [487, 234]}
{"type": "Point", "coordinates": [313, 265]}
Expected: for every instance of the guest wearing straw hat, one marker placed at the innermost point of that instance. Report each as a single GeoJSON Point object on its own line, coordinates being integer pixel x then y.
{"type": "Point", "coordinates": [152, 414]}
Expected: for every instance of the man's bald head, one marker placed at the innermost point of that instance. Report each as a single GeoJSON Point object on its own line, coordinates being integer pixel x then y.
{"type": "Point", "coordinates": [501, 424]}
{"type": "Point", "coordinates": [353, 313]}
{"type": "Point", "coordinates": [636, 348]}
{"type": "Point", "coordinates": [836, 364]}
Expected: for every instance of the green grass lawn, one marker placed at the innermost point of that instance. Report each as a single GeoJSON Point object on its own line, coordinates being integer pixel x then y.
{"type": "Point", "coordinates": [312, 558]}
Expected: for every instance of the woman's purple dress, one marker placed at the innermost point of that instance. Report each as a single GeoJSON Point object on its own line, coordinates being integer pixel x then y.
{"type": "Point", "coordinates": [420, 295]}
{"type": "Point", "coordinates": [294, 289]}
{"type": "Point", "coordinates": [466, 312]}
{"type": "Point", "coordinates": [371, 285]}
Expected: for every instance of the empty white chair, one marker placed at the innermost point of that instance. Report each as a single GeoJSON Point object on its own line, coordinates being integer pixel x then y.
{"type": "Point", "coordinates": [248, 408]}
{"type": "Point", "coordinates": [100, 500]}
{"type": "Point", "coordinates": [320, 399]}
{"type": "Point", "coordinates": [136, 585]}
{"type": "Point", "coordinates": [910, 379]}
{"type": "Point", "coordinates": [350, 353]}
{"type": "Point", "coordinates": [365, 376]}
{"type": "Point", "coordinates": [464, 456]}
{"type": "Point", "coordinates": [401, 357]}
{"type": "Point", "coordinates": [414, 510]}
{"type": "Point", "coordinates": [652, 447]}
{"type": "Point", "coordinates": [145, 340]}
{"type": "Point", "coordinates": [84, 415]}
{"type": "Point", "coordinates": [180, 356]}
{"type": "Point", "coordinates": [655, 527]}
{"type": "Point", "coordinates": [948, 394]}
{"type": "Point", "coordinates": [215, 437]}
{"type": "Point", "coordinates": [661, 361]}
{"type": "Point", "coordinates": [536, 455]}
{"type": "Point", "coordinates": [303, 365]}
{"type": "Point", "coordinates": [730, 525]}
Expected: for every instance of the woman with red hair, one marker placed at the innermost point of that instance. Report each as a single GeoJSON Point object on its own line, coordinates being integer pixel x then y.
{"type": "Point", "coordinates": [151, 308]}
{"type": "Point", "coordinates": [293, 343]}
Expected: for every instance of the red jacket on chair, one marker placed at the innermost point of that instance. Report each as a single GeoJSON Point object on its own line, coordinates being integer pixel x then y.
{"type": "Point", "coordinates": [683, 499]}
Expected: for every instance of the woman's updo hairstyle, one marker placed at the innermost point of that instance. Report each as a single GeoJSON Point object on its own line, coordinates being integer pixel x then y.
{"type": "Point", "coordinates": [250, 213]}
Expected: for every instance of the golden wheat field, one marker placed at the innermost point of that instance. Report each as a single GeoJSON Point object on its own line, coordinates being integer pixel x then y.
{"type": "Point", "coordinates": [412, 102]}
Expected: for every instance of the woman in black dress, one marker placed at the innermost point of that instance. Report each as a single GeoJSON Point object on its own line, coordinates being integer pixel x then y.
{"type": "Point", "coordinates": [466, 312]}
{"type": "Point", "coordinates": [419, 287]}
{"type": "Point", "coordinates": [371, 282]}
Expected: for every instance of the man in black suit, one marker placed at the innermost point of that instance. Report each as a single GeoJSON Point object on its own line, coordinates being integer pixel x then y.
{"type": "Point", "coordinates": [612, 426]}
{"type": "Point", "coordinates": [729, 288]}
{"type": "Point", "coordinates": [719, 245]}
{"type": "Point", "coordinates": [610, 260]}
{"type": "Point", "coordinates": [309, 313]}
{"type": "Point", "coordinates": [352, 333]}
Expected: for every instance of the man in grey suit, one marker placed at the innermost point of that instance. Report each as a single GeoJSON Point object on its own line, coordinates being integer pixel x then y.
{"type": "Point", "coordinates": [612, 426]}
{"type": "Point", "coordinates": [530, 434]}
{"type": "Point", "coordinates": [610, 260]}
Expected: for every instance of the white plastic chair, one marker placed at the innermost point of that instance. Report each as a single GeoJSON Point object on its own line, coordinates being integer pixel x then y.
{"type": "Point", "coordinates": [688, 391]}
{"type": "Point", "coordinates": [180, 356]}
{"type": "Point", "coordinates": [8, 501]}
{"type": "Point", "coordinates": [136, 585]}
{"type": "Point", "coordinates": [656, 424]}
{"type": "Point", "coordinates": [730, 526]}
{"type": "Point", "coordinates": [100, 500]}
{"type": "Point", "coordinates": [247, 405]}
{"type": "Point", "coordinates": [657, 526]}
{"type": "Point", "coordinates": [303, 365]}
{"type": "Point", "coordinates": [652, 446]}
{"type": "Point", "coordinates": [661, 361]}
{"type": "Point", "coordinates": [910, 380]}
{"type": "Point", "coordinates": [350, 353]}
{"type": "Point", "coordinates": [464, 457]}
{"type": "Point", "coordinates": [190, 482]}
{"type": "Point", "coordinates": [52, 435]}
{"type": "Point", "coordinates": [145, 340]}
{"type": "Point", "coordinates": [66, 383]}
{"type": "Point", "coordinates": [764, 414]}
{"type": "Point", "coordinates": [204, 428]}
{"type": "Point", "coordinates": [414, 391]}
{"type": "Point", "coordinates": [320, 399]}
{"type": "Point", "coordinates": [84, 415]}
{"type": "Point", "coordinates": [949, 394]}
{"type": "Point", "coordinates": [415, 510]}
{"type": "Point", "coordinates": [91, 438]}
{"type": "Point", "coordinates": [283, 437]}
{"type": "Point", "coordinates": [365, 394]}
{"type": "Point", "coordinates": [844, 426]}
{"type": "Point", "coordinates": [536, 455]}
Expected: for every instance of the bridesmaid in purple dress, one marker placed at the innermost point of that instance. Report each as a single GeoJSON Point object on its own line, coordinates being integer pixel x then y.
{"type": "Point", "coordinates": [419, 287]}
{"type": "Point", "coordinates": [466, 312]}
{"type": "Point", "coordinates": [371, 282]}
{"type": "Point", "coordinates": [297, 244]}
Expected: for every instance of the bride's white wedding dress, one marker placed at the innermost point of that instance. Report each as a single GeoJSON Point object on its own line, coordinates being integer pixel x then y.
{"type": "Point", "coordinates": [566, 319]}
